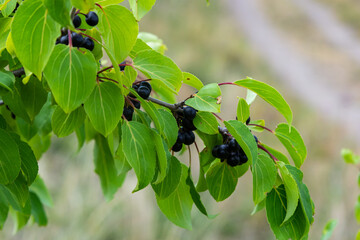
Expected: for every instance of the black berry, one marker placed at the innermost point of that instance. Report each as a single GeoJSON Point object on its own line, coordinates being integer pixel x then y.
{"type": "Point", "coordinates": [146, 84]}
{"type": "Point", "coordinates": [88, 43]}
{"type": "Point", "coordinates": [143, 92]}
{"type": "Point", "coordinates": [92, 19]}
{"type": "Point", "coordinates": [76, 21]}
{"type": "Point", "coordinates": [136, 103]}
{"type": "Point", "coordinates": [177, 147]}
{"type": "Point", "coordinates": [189, 113]}
{"type": "Point", "coordinates": [122, 68]}
{"type": "Point", "coordinates": [181, 137]}
{"type": "Point", "coordinates": [234, 159]}
{"type": "Point", "coordinates": [248, 121]}
{"type": "Point", "coordinates": [77, 39]}
{"type": "Point", "coordinates": [188, 124]}
{"type": "Point", "coordinates": [64, 40]}
{"type": "Point", "coordinates": [256, 139]}
{"type": "Point", "coordinates": [128, 113]}
{"type": "Point", "coordinates": [189, 138]}
{"type": "Point", "coordinates": [243, 158]}
{"type": "Point", "coordinates": [234, 145]}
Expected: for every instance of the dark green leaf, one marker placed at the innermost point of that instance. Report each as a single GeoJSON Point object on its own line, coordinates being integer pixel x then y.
{"type": "Point", "coordinates": [195, 195]}
{"type": "Point", "coordinates": [38, 187]}
{"type": "Point", "coordinates": [19, 191]}
{"type": "Point", "coordinates": [59, 10]}
{"type": "Point", "coordinates": [162, 155]}
{"type": "Point", "coordinates": [206, 122]}
{"type": "Point", "coordinates": [37, 210]}
{"type": "Point", "coordinates": [7, 80]}
{"type": "Point", "coordinates": [4, 208]}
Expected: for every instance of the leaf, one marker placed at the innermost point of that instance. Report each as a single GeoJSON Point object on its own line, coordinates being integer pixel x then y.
{"type": "Point", "coordinates": [207, 99]}
{"type": "Point", "coordinates": [170, 127]}
{"type": "Point", "coordinates": [71, 75]}
{"type": "Point", "coordinates": [269, 94]}
{"type": "Point", "coordinates": [258, 207]}
{"type": "Point", "coordinates": [295, 227]}
{"type": "Point", "coordinates": [161, 69]}
{"type": "Point", "coordinates": [104, 3]}
{"type": "Point", "coordinates": [177, 207]}
{"type": "Point", "coordinates": [277, 154]}
{"type": "Point", "coordinates": [7, 80]}
{"type": "Point", "coordinates": [250, 97]}
{"type": "Point", "coordinates": [33, 23]}
{"type": "Point", "coordinates": [243, 110]}
{"type": "Point", "coordinates": [162, 154]}
{"type": "Point", "coordinates": [349, 157]}
{"type": "Point", "coordinates": [329, 229]}
{"type": "Point", "coordinates": [153, 41]}
{"type": "Point", "coordinates": [260, 122]}
{"type": "Point", "coordinates": [244, 137]}
{"type": "Point", "coordinates": [37, 210]}
{"type": "Point", "coordinates": [141, 7]}
{"type": "Point", "coordinates": [139, 46]}
{"type": "Point", "coordinates": [292, 191]}
{"type": "Point", "coordinates": [38, 187]}
{"type": "Point", "coordinates": [64, 124]}
{"type": "Point", "coordinates": [165, 188]}
{"type": "Point", "coordinates": [9, 8]}
{"type": "Point", "coordinates": [5, 24]}
{"type": "Point", "coordinates": [264, 176]}
{"type": "Point", "coordinates": [19, 192]}
{"type": "Point", "coordinates": [84, 5]}
{"type": "Point", "coordinates": [138, 149]}
{"type": "Point", "coordinates": [105, 107]}
{"type": "Point", "coordinates": [195, 195]}
{"type": "Point", "coordinates": [192, 80]}
{"type": "Point", "coordinates": [59, 10]}
{"type": "Point", "coordinates": [10, 161]}
{"type": "Point", "coordinates": [221, 180]}
{"type": "Point", "coordinates": [4, 209]}
{"type": "Point", "coordinates": [121, 164]}
{"type": "Point", "coordinates": [206, 122]}
{"type": "Point", "coordinates": [119, 30]}
{"type": "Point", "coordinates": [293, 143]}
{"type": "Point", "coordinates": [105, 168]}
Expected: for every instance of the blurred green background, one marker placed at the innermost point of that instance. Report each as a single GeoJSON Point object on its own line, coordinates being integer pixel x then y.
{"type": "Point", "coordinates": [307, 49]}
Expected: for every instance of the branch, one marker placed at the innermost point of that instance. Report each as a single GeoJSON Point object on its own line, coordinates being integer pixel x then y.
{"type": "Point", "coordinates": [267, 151]}
{"type": "Point", "coordinates": [19, 72]}
{"type": "Point", "coordinates": [263, 127]}
{"type": "Point", "coordinates": [173, 107]}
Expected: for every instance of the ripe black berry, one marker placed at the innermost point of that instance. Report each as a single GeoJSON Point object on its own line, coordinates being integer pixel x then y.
{"type": "Point", "coordinates": [92, 19]}
{"type": "Point", "coordinates": [77, 39]}
{"type": "Point", "coordinates": [177, 147]}
{"type": "Point", "coordinates": [243, 158]}
{"type": "Point", "coordinates": [64, 40]}
{"type": "Point", "coordinates": [248, 121]}
{"type": "Point", "coordinates": [122, 68]}
{"type": "Point", "coordinates": [128, 113]}
{"type": "Point", "coordinates": [234, 159]}
{"type": "Point", "coordinates": [234, 145]}
{"type": "Point", "coordinates": [189, 113]}
{"type": "Point", "coordinates": [181, 137]}
{"type": "Point", "coordinates": [144, 92]}
{"type": "Point", "coordinates": [189, 138]}
{"type": "Point", "coordinates": [146, 84]}
{"type": "Point", "coordinates": [76, 21]}
{"type": "Point", "coordinates": [136, 103]}
{"type": "Point", "coordinates": [256, 139]}
{"type": "Point", "coordinates": [88, 43]}
{"type": "Point", "coordinates": [188, 124]}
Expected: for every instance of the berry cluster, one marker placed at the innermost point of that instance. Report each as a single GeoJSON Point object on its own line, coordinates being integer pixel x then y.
{"type": "Point", "coordinates": [186, 135]}
{"type": "Point", "coordinates": [231, 152]}
{"type": "Point", "coordinates": [77, 39]}
{"type": "Point", "coordinates": [143, 89]}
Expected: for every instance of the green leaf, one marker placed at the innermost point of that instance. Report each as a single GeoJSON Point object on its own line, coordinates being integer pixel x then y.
{"type": "Point", "coordinates": [192, 80]}
{"type": "Point", "coordinates": [4, 209]}
{"type": "Point", "coordinates": [161, 69]}
{"type": "Point", "coordinates": [195, 195]}
{"type": "Point", "coordinates": [170, 127]}
{"type": "Point", "coordinates": [71, 75]}
{"type": "Point", "coordinates": [292, 191]}
{"type": "Point", "coordinates": [59, 10]}
{"type": "Point", "coordinates": [258, 207]}
{"type": "Point", "coordinates": [121, 164]}
{"type": "Point", "coordinates": [5, 24]}
{"type": "Point", "coordinates": [37, 210]}
{"type": "Point", "coordinates": [7, 80]}
{"type": "Point", "coordinates": [104, 3]}
{"type": "Point", "coordinates": [105, 107]}
{"type": "Point", "coordinates": [329, 229]}
{"type": "Point", "coordinates": [139, 46]}
{"type": "Point", "coordinates": [119, 30]}
{"type": "Point", "coordinates": [20, 218]}
{"type": "Point", "coordinates": [293, 143]}
{"type": "Point", "coordinates": [19, 191]}
{"type": "Point", "coordinates": [84, 5]}
{"type": "Point", "coordinates": [2, 122]}
{"type": "Point", "coordinates": [206, 122]}
{"type": "Point", "coordinates": [177, 207]}
{"type": "Point", "coordinates": [221, 180]}
{"type": "Point", "coordinates": [105, 168]}
{"type": "Point", "coordinates": [260, 122]}
{"type": "Point", "coordinates": [9, 8]}
{"type": "Point", "coordinates": [295, 227]}
{"type": "Point", "coordinates": [207, 99]}
{"type": "Point", "coordinates": [64, 124]}
{"type": "Point", "coordinates": [269, 94]}
{"type": "Point", "coordinates": [141, 7]}
{"type": "Point", "coordinates": [170, 182]}
{"type": "Point", "coordinates": [244, 137]}
{"type": "Point", "coordinates": [277, 154]}
{"type": "Point", "coordinates": [138, 148]}
{"type": "Point", "coordinates": [33, 23]}
{"type": "Point", "coordinates": [10, 161]}
{"type": "Point", "coordinates": [153, 41]}
{"type": "Point", "coordinates": [264, 176]}
{"type": "Point", "coordinates": [27, 131]}
{"type": "Point", "coordinates": [38, 187]}
{"type": "Point", "coordinates": [250, 97]}
{"type": "Point", "coordinates": [243, 110]}
{"type": "Point", "coordinates": [162, 154]}
{"type": "Point", "coordinates": [349, 157]}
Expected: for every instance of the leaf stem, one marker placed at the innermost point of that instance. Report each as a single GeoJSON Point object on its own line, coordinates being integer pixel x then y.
{"type": "Point", "coordinates": [267, 151]}
{"type": "Point", "coordinates": [218, 117]}
{"type": "Point", "coordinates": [226, 83]}
{"type": "Point", "coordinates": [263, 127]}
{"type": "Point", "coordinates": [112, 80]}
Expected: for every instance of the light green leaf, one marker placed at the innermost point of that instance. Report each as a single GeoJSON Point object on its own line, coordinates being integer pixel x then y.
{"type": "Point", "coordinates": [153, 41]}
{"type": "Point", "coordinates": [19, 190]}
{"type": "Point", "coordinates": [39, 188]}
{"type": "Point", "coordinates": [264, 176]}
{"type": "Point", "coordinates": [245, 139]}
{"type": "Point", "coordinates": [206, 122]}
{"type": "Point", "coordinates": [329, 229]}
{"type": "Point", "coordinates": [269, 94]}
{"type": "Point", "coordinates": [177, 207]}
{"type": "Point", "coordinates": [33, 23]}
{"type": "Point", "coordinates": [121, 164]}
{"type": "Point", "coordinates": [243, 110]}
{"type": "Point", "coordinates": [37, 210]}
{"type": "Point", "coordinates": [260, 122]}
{"type": "Point", "coordinates": [291, 189]}
{"type": "Point", "coordinates": [221, 180]}
{"type": "Point", "coordinates": [8, 8]}
{"type": "Point", "coordinates": [258, 207]}
{"type": "Point", "coordinates": [207, 99]}
{"type": "Point", "coordinates": [84, 5]}
{"type": "Point", "coordinates": [162, 155]}
{"type": "Point", "coordinates": [293, 143]}
{"type": "Point", "coordinates": [5, 24]}
{"type": "Point", "coordinates": [161, 69]}
{"type": "Point", "coordinates": [64, 124]}
{"type": "Point", "coordinates": [192, 80]}
{"type": "Point", "coordinates": [139, 46]}
{"type": "Point", "coordinates": [141, 7]}
{"type": "Point", "coordinates": [104, 3]}
{"type": "Point", "coordinates": [119, 30]}
{"type": "Point", "coordinates": [349, 157]}
{"type": "Point", "coordinates": [105, 168]}
{"type": "Point", "coordinates": [71, 75]}
{"type": "Point", "coordinates": [10, 161]}
{"type": "Point", "coordinates": [105, 107]}
{"type": "Point", "coordinates": [138, 149]}
{"type": "Point", "coordinates": [59, 10]}
{"type": "Point", "coordinates": [7, 80]}
{"type": "Point", "coordinates": [170, 182]}
{"type": "Point", "coordinates": [250, 97]}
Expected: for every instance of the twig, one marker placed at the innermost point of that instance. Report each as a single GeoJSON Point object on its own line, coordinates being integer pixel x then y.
{"type": "Point", "coordinates": [19, 72]}
{"type": "Point", "coordinates": [267, 151]}
{"type": "Point", "coordinates": [263, 127]}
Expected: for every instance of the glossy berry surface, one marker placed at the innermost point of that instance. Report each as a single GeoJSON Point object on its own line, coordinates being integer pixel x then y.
{"type": "Point", "coordinates": [143, 92]}
{"type": "Point", "coordinates": [88, 43]}
{"type": "Point", "coordinates": [136, 103]}
{"type": "Point", "coordinates": [76, 21]}
{"type": "Point", "coordinates": [181, 137]}
{"type": "Point", "coordinates": [233, 160]}
{"type": "Point", "coordinates": [189, 113]}
{"type": "Point", "coordinates": [92, 19]}
{"type": "Point", "coordinates": [248, 121]}
{"type": "Point", "coordinates": [177, 147]}
{"type": "Point", "coordinates": [64, 40]}
{"type": "Point", "coordinates": [188, 124]}
{"type": "Point", "coordinates": [77, 39]}
{"type": "Point", "coordinates": [243, 158]}
{"type": "Point", "coordinates": [234, 145]}
{"type": "Point", "coordinates": [128, 113]}
{"type": "Point", "coordinates": [189, 138]}
{"type": "Point", "coordinates": [146, 84]}
{"type": "Point", "coordinates": [122, 68]}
